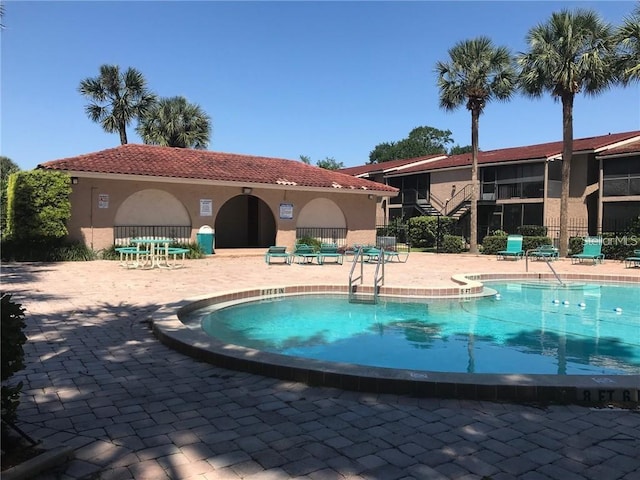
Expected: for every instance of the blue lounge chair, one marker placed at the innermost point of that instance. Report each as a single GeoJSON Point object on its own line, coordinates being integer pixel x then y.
{"type": "Point", "coordinates": [329, 250]}
{"type": "Point", "coordinates": [592, 250]}
{"type": "Point", "coordinates": [544, 252]}
{"type": "Point", "coordinates": [633, 261]}
{"type": "Point", "coordinates": [277, 252]}
{"type": "Point", "coordinates": [514, 248]}
{"type": "Point", "coordinates": [304, 253]}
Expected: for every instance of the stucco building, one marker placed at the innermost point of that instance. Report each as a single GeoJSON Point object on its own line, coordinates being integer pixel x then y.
{"type": "Point", "coordinates": [249, 201]}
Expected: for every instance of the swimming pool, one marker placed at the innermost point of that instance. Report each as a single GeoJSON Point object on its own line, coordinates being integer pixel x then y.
{"type": "Point", "coordinates": [521, 328]}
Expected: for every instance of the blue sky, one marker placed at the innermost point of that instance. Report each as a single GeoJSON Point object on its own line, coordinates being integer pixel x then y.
{"type": "Point", "coordinates": [279, 79]}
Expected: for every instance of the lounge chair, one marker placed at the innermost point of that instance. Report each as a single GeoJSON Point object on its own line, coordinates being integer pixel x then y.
{"type": "Point", "coordinates": [329, 250]}
{"type": "Point", "coordinates": [544, 252]}
{"type": "Point", "coordinates": [592, 250]}
{"type": "Point", "coordinates": [514, 248]}
{"type": "Point", "coordinates": [304, 253]}
{"type": "Point", "coordinates": [277, 252]}
{"type": "Point", "coordinates": [633, 261]}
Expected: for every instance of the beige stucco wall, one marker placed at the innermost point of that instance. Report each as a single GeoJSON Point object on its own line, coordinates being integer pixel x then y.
{"type": "Point", "coordinates": [94, 225]}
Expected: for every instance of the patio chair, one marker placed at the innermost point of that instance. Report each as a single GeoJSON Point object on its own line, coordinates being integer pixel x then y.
{"type": "Point", "coordinates": [304, 253]}
{"type": "Point", "coordinates": [544, 252]}
{"type": "Point", "coordinates": [633, 261]}
{"type": "Point", "coordinates": [514, 248]}
{"type": "Point", "coordinates": [330, 250]}
{"type": "Point", "coordinates": [592, 250]}
{"type": "Point", "coordinates": [277, 252]}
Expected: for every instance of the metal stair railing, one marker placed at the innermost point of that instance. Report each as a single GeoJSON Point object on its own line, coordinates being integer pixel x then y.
{"type": "Point", "coordinates": [465, 196]}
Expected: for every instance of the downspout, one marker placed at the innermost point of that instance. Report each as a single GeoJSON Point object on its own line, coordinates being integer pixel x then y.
{"type": "Point", "coordinates": [91, 216]}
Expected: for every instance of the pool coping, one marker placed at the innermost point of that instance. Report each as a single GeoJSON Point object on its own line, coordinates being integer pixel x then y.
{"type": "Point", "coordinates": [587, 389]}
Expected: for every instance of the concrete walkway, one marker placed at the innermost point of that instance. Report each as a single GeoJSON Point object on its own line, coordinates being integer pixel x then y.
{"type": "Point", "coordinates": [98, 380]}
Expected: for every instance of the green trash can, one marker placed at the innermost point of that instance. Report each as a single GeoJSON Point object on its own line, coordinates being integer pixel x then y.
{"type": "Point", "coordinates": [206, 240]}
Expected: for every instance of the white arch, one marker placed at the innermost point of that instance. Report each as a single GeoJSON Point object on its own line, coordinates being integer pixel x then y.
{"type": "Point", "coordinates": [321, 212]}
{"type": "Point", "coordinates": [152, 207]}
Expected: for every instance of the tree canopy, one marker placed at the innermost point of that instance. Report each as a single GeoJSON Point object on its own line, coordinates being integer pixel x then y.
{"type": "Point", "coordinates": [174, 122]}
{"type": "Point", "coordinates": [476, 73]}
{"type": "Point", "coordinates": [627, 37]}
{"type": "Point", "coordinates": [574, 51]}
{"type": "Point", "coordinates": [117, 98]}
{"type": "Point", "coordinates": [329, 163]}
{"type": "Point", "coordinates": [420, 142]}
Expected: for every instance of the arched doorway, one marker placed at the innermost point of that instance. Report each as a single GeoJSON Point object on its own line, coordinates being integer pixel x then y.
{"type": "Point", "coordinates": [245, 221]}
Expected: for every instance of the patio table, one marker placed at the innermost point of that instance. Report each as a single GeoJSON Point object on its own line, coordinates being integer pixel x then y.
{"type": "Point", "coordinates": [155, 249]}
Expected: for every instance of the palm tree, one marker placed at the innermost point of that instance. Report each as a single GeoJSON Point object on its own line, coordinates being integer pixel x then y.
{"type": "Point", "coordinates": [174, 122]}
{"type": "Point", "coordinates": [117, 98]}
{"type": "Point", "coordinates": [477, 72]}
{"type": "Point", "coordinates": [628, 38]}
{"type": "Point", "coordinates": [570, 53]}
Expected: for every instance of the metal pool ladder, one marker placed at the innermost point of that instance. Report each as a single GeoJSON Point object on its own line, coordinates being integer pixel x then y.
{"type": "Point", "coordinates": [546, 259]}
{"type": "Point", "coordinates": [378, 278]}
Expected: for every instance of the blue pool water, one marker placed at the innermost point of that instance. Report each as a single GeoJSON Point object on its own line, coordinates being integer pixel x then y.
{"type": "Point", "coordinates": [524, 328]}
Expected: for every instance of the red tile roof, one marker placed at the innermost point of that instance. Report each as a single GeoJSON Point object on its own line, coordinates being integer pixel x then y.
{"type": "Point", "coordinates": [148, 160]}
{"type": "Point", "coordinates": [631, 147]}
{"type": "Point", "coordinates": [541, 151]}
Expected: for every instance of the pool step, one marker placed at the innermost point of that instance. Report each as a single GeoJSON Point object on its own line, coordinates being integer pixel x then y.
{"type": "Point", "coordinates": [362, 298]}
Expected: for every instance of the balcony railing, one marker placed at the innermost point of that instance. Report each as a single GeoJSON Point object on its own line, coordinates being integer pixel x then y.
{"type": "Point", "coordinates": [122, 235]}
{"type": "Point", "coordinates": [506, 191]}
{"type": "Point", "coordinates": [337, 235]}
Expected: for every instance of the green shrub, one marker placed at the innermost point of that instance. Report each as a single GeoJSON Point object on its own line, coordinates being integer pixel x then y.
{"type": "Point", "coordinates": [45, 250]}
{"type": "Point", "coordinates": [453, 244]}
{"type": "Point", "coordinates": [492, 244]}
{"type": "Point", "coordinates": [38, 205]}
{"type": "Point", "coordinates": [576, 244]}
{"type": "Point", "coordinates": [11, 339]}
{"type": "Point", "coordinates": [532, 230]}
{"type": "Point", "coordinates": [312, 242]}
{"type": "Point", "coordinates": [529, 243]}
{"type": "Point", "coordinates": [423, 231]}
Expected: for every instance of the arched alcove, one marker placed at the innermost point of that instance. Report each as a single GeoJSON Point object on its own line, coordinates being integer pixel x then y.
{"type": "Point", "coordinates": [245, 221]}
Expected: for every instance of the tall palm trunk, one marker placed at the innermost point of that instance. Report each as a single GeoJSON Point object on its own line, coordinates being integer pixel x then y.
{"type": "Point", "coordinates": [473, 231]}
{"type": "Point", "coordinates": [123, 134]}
{"type": "Point", "coordinates": [567, 153]}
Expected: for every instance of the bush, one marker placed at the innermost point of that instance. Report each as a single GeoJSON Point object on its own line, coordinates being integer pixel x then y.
{"type": "Point", "coordinates": [453, 244]}
{"type": "Point", "coordinates": [45, 250]}
{"type": "Point", "coordinates": [38, 205]}
{"type": "Point", "coordinates": [532, 230]}
{"type": "Point", "coordinates": [529, 243]}
{"type": "Point", "coordinates": [423, 231]}
{"type": "Point", "coordinates": [12, 338]}
{"type": "Point", "coordinates": [312, 242]}
{"type": "Point", "coordinates": [491, 244]}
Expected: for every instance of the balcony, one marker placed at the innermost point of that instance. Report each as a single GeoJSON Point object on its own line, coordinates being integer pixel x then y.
{"type": "Point", "coordinates": [621, 186]}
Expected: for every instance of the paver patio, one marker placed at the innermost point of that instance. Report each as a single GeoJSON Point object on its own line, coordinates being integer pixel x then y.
{"type": "Point", "coordinates": [97, 379]}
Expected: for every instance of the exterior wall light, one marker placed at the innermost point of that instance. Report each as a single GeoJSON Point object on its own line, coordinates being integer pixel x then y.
{"type": "Point", "coordinates": [247, 190]}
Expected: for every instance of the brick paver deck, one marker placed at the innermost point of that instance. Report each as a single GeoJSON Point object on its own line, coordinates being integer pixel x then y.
{"type": "Point", "coordinates": [97, 379]}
